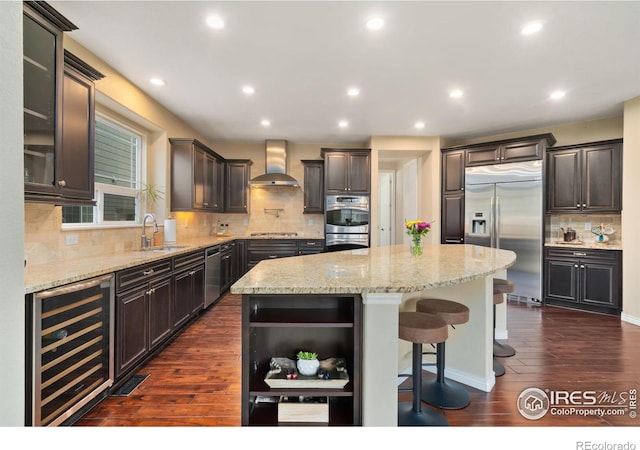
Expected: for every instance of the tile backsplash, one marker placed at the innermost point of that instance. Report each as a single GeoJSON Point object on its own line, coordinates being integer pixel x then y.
{"type": "Point", "coordinates": [582, 223]}
{"type": "Point", "coordinates": [45, 241]}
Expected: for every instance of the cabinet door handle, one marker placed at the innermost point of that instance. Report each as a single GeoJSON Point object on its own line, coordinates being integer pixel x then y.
{"type": "Point", "coordinates": [148, 272]}
{"type": "Point", "coordinates": [582, 266]}
{"type": "Point", "coordinates": [579, 254]}
{"type": "Point", "coordinates": [578, 205]}
{"type": "Point", "coordinates": [273, 256]}
{"type": "Point", "coordinates": [62, 183]}
{"type": "Point", "coordinates": [584, 205]}
{"type": "Point", "coordinates": [205, 204]}
{"type": "Point", "coordinates": [193, 272]}
{"type": "Point", "coordinates": [575, 265]}
{"type": "Point", "coordinates": [462, 189]}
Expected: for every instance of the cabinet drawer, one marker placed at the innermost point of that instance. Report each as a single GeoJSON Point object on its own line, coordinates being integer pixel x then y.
{"type": "Point", "coordinates": [254, 256]}
{"type": "Point", "coordinates": [586, 254]}
{"type": "Point", "coordinates": [129, 278]}
{"type": "Point", "coordinates": [272, 244]}
{"type": "Point", "coordinates": [188, 260]}
{"type": "Point", "coordinates": [317, 243]}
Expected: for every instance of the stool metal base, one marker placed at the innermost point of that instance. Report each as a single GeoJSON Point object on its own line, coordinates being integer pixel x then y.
{"type": "Point", "coordinates": [446, 394]}
{"type": "Point", "coordinates": [426, 417]}
{"type": "Point", "coordinates": [498, 368]}
{"type": "Point", "coordinates": [502, 350]}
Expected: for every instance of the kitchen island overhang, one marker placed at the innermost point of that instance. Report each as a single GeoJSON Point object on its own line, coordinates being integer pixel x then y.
{"type": "Point", "coordinates": [388, 279]}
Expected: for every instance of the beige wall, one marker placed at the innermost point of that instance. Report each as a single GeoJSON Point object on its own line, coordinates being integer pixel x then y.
{"type": "Point", "coordinates": [565, 134]}
{"type": "Point", "coordinates": [12, 314]}
{"type": "Point", "coordinates": [631, 212]}
{"type": "Point", "coordinates": [426, 149]}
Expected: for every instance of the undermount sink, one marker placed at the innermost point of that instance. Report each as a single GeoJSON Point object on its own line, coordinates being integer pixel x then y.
{"type": "Point", "coordinates": [162, 248]}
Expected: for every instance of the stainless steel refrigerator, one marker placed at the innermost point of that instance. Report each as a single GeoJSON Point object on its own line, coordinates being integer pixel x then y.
{"type": "Point", "coordinates": [503, 209]}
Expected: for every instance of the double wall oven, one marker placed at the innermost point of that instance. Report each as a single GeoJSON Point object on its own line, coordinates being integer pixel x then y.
{"type": "Point", "coordinates": [346, 222]}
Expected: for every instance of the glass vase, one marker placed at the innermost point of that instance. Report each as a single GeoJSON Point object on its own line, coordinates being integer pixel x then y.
{"type": "Point", "coordinates": [416, 246]}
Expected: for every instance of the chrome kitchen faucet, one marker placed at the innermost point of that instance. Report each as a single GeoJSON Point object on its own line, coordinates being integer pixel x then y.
{"type": "Point", "coordinates": [145, 242]}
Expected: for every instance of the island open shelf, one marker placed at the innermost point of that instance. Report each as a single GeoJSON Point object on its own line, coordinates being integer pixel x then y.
{"type": "Point", "coordinates": [346, 304]}
{"type": "Point", "coordinates": [282, 325]}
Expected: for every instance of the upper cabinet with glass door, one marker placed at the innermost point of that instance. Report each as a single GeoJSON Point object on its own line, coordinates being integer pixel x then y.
{"type": "Point", "coordinates": [58, 111]}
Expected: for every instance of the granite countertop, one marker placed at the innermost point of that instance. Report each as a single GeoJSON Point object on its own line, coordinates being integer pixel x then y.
{"type": "Point", "coordinates": [39, 277]}
{"type": "Point", "coordinates": [585, 244]}
{"type": "Point", "coordinates": [374, 270]}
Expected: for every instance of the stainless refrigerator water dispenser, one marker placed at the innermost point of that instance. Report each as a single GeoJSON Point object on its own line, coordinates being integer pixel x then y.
{"type": "Point", "coordinates": [503, 209]}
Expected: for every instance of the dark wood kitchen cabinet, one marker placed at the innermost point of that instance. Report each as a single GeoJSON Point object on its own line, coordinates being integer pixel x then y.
{"type": "Point", "coordinates": [261, 249]}
{"type": "Point", "coordinates": [521, 149]}
{"type": "Point", "coordinates": [281, 325]}
{"type": "Point", "coordinates": [238, 173]}
{"type": "Point", "coordinates": [585, 178]}
{"type": "Point", "coordinates": [59, 112]}
{"type": "Point", "coordinates": [456, 159]}
{"type": "Point", "coordinates": [188, 287]}
{"type": "Point", "coordinates": [313, 186]}
{"type": "Point", "coordinates": [143, 312]}
{"type": "Point", "coordinates": [347, 171]}
{"type": "Point", "coordinates": [585, 279]}
{"type": "Point", "coordinates": [310, 246]}
{"type": "Point", "coordinates": [196, 177]}
{"type": "Point", "coordinates": [452, 206]}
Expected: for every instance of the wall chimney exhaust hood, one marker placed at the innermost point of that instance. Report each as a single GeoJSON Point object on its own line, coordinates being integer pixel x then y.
{"type": "Point", "coordinates": [276, 167]}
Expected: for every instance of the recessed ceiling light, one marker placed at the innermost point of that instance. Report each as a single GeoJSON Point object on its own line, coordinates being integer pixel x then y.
{"type": "Point", "coordinates": [343, 124]}
{"type": "Point", "coordinates": [215, 22]}
{"type": "Point", "coordinates": [353, 92]}
{"type": "Point", "coordinates": [456, 93]}
{"type": "Point", "coordinates": [265, 123]}
{"type": "Point", "coordinates": [157, 82]}
{"type": "Point", "coordinates": [248, 90]}
{"type": "Point", "coordinates": [557, 95]}
{"type": "Point", "coordinates": [531, 28]}
{"type": "Point", "coordinates": [419, 125]}
{"type": "Point", "coordinates": [375, 23]}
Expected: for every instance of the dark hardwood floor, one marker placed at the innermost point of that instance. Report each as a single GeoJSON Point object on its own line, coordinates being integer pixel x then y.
{"type": "Point", "coordinates": [195, 381]}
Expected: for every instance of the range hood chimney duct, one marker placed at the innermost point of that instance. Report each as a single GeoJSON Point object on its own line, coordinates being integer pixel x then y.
{"type": "Point", "coordinates": [276, 167]}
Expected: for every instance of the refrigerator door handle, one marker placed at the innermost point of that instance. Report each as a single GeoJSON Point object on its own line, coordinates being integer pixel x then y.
{"type": "Point", "coordinates": [497, 221]}
{"type": "Point", "coordinates": [492, 224]}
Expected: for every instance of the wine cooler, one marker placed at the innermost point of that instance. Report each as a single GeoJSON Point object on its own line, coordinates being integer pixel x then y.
{"type": "Point", "coordinates": [72, 344]}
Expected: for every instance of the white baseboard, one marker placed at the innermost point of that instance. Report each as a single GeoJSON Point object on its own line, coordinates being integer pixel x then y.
{"type": "Point", "coordinates": [502, 334]}
{"type": "Point", "coordinates": [630, 319]}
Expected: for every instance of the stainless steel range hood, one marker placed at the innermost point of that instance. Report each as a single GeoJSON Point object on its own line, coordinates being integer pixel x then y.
{"type": "Point", "coordinates": [276, 167]}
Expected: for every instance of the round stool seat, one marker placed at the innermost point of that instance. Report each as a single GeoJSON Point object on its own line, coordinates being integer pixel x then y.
{"type": "Point", "coordinates": [498, 298]}
{"type": "Point", "coordinates": [502, 286]}
{"type": "Point", "coordinates": [442, 392]}
{"type": "Point", "coordinates": [422, 328]}
{"type": "Point", "coordinates": [453, 313]}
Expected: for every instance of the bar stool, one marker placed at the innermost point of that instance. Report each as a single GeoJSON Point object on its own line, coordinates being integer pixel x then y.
{"type": "Point", "coordinates": [500, 287]}
{"type": "Point", "coordinates": [420, 328]}
{"type": "Point", "coordinates": [443, 393]}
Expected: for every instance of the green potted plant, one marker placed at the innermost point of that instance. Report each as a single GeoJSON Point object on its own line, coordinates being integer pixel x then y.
{"type": "Point", "coordinates": [308, 363]}
{"type": "Point", "coordinates": [149, 196]}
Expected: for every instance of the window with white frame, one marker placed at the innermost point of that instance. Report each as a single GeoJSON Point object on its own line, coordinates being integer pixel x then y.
{"type": "Point", "coordinates": [118, 155]}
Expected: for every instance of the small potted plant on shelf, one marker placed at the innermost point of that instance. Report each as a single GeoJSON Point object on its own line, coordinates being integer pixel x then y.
{"type": "Point", "coordinates": [308, 363]}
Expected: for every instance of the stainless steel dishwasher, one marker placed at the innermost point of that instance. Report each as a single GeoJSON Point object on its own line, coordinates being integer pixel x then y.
{"type": "Point", "coordinates": [212, 281]}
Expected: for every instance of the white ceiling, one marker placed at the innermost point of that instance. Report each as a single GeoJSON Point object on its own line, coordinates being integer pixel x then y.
{"type": "Point", "coordinates": [301, 56]}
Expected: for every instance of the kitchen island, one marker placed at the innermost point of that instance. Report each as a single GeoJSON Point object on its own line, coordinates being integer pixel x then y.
{"type": "Point", "coordinates": [385, 280]}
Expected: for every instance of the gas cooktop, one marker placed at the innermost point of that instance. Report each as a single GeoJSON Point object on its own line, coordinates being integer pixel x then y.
{"type": "Point", "coordinates": [275, 234]}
